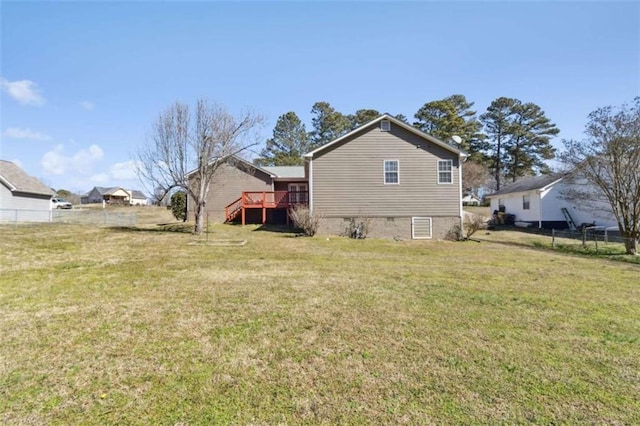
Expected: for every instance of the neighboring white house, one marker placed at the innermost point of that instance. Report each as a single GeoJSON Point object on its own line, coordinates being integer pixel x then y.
{"type": "Point", "coordinates": [470, 200]}
{"type": "Point", "coordinates": [23, 198]}
{"type": "Point", "coordinates": [137, 198]}
{"type": "Point", "coordinates": [114, 195]}
{"type": "Point", "coordinates": [540, 200]}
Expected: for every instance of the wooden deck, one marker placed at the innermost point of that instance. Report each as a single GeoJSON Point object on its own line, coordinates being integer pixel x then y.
{"type": "Point", "coordinates": [264, 200]}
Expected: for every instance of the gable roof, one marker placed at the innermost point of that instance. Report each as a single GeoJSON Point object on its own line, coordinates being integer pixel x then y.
{"type": "Point", "coordinates": [395, 121]}
{"type": "Point", "coordinates": [528, 184]}
{"type": "Point", "coordinates": [138, 195]}
{"type": "Point", "coordinates": [234, 158]}
{"type": "Point", "coordinates": [471, 195]}
{"type": "Point", "coordinates": [102, 190]}
{"type": "Point", "coordinates": [110, 190]}
{"type": "Point", "coordinates": [17, 180]}
{"type": "Point", "coordinates": [113, 190]}
{"type": "Point", "coordinates": [291, 172]}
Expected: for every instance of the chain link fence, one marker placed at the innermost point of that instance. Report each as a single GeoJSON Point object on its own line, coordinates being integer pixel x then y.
{"type": "Point", "coordinates": [75, 216]}
{"type": "Point", "coordinates": [596, 239]}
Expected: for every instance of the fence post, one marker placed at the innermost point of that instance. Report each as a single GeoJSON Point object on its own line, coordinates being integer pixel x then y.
{"type": "Point", "coordinates": [606, 235]}
{"type": "Point", "coordinates": [553, 238]}
{"type": "Point", "coordinates": [596, 238]}
{"type": "Point", "coordinates": [584, 238]}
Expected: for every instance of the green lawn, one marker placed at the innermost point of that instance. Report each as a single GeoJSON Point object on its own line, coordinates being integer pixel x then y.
{"type": "Point", "coordinates": [139, 326]}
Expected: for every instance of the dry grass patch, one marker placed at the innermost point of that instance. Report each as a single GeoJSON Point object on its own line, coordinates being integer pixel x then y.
{"type": "Point", "coordinates": [138, 327]}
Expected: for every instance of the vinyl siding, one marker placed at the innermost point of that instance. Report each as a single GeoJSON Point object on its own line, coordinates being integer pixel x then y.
{"type": "Point", "coordinates": [227, 186]}
{"type": "Point", "coordinates": [22, 207]}
{"type": "Point", "coordinates": [547, 207]}
{"type": "Point", "coordinates": [348, 178]}
{"type": "Point", "coordinates": [93, 197]}
{"type": "Point", "coordinates": [554, 199]}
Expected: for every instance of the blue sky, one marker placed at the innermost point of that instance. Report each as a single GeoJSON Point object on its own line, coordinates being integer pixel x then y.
{"type": "Point", "coordinates": [82, 82]}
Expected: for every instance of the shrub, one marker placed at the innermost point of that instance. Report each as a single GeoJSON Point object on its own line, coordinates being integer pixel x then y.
{"type": "Point", "coordinates": [472, 224]}
{"type": "Point", "coordinates": [358, 230]}
{"type": "Point", "coordinates": [179, 205]}
{"type": "Point", "coordinates": [454, 233]}
{"type": "Point", "coordinates": [304, 219]}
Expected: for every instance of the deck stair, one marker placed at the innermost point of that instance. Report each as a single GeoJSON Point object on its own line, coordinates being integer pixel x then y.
{"type": "Point", "coordinates": [569, 219]}
{"type": "Point", "coordinates": [233, 210]}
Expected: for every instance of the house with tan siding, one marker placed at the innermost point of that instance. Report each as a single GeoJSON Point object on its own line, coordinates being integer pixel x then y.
{"type": "Point", "coordinates": [248, 193]}
{"type": "Point", "coordinates": [403, 182]}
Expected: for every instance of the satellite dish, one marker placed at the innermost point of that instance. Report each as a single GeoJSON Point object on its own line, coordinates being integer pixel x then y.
{"type": "Point", "coordinates": [457, 139]}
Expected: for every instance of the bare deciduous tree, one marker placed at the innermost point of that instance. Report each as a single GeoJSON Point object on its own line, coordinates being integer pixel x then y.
{"type": "Point", "coordinates": [609, 159]}
{"type": "Point", "coordinates": [184, 150]}
{"type": "Point", "coordinates": [474, 176]}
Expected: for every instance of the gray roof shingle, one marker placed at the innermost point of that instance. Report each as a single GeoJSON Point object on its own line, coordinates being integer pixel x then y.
{"type": "Point", "coordinates": [19, 181]}
{"type": "Point", "coordinates": [286, 171]}
{"type": "Point", "coordinates": [527, 184]}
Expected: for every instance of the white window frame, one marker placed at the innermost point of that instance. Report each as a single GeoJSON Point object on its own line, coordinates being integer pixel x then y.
{"type": "Point", "coordinates": [384, 171]}
{"type": "Point", "coordinates": [413, 228]}
{"type": "Point", "coordinates": [450, 171]}
{"type": "Point", "coordinates": [526, 202]}
{"type": "Point", "coordinates": [385, 125]}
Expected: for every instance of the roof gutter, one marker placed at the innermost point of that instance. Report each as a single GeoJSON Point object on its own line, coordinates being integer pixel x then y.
{"type": "Point", "coordinates": [7, 184]}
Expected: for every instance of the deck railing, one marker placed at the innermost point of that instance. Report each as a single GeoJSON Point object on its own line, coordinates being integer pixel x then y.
{"type": "Point", "coordinates": [265, 200]}
{"type": "Point", "coordinates": [273, 199]}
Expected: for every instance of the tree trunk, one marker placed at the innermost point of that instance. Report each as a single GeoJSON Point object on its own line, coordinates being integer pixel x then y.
{"type": "Point", "coordinates": [631, 245]}
{"type": "Point", "coordinates": [199, 212]}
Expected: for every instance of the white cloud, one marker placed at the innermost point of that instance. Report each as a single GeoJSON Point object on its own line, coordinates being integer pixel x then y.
{"type": "Point", "coordinates": [100, 179]}
{"type": "Point", "coordinates": [124, 171]}
{"type": "Point", "coordinates": [19, 133]}
{"type": "Point", "coordinates": [26, 92]}
{"type": "Point", "coordinates": [57, 163]}
{"type": "Point", "coordinates": [54, 162]}
{"type": "Point", "coordinates": [89, 106]}
{"type": "Point", "coordinates": [81, 169]}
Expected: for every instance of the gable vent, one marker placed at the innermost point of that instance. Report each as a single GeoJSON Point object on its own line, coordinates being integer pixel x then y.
{"type": "Point", "coordinates": [385, 125]}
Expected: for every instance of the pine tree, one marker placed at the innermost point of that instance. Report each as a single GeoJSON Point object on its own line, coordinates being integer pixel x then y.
{"type": "Point", "coordinates": [451, 116]}
{"type": "Point", "coordinates": [497, 124]}
{"type": "Point", "coordinates": [362, 116]}
{"type": "Point", "coordinates": [290, 141]}
{"type": "Point", "coordinates": [328, 124]}
{"type": "Point", "coordinates": [529, 144]}
{"type": "Point", "coordinates": [520, 139]}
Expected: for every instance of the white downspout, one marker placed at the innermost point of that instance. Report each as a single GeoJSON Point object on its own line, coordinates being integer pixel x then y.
{"type": "Point", "coordinates": [460, 161]}
{"type": "Point", "coordinates": [311, 185]}
{"type": "Point", "coordinates": [539, 209]}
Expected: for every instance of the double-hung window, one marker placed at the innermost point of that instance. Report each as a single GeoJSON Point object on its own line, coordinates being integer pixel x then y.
{"type": "Point", "coordinates": [445, 171]}
{"type": "Point", "coordinates": [525, 202]}
{"type": "Point", "coordinates": [391, 172]}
